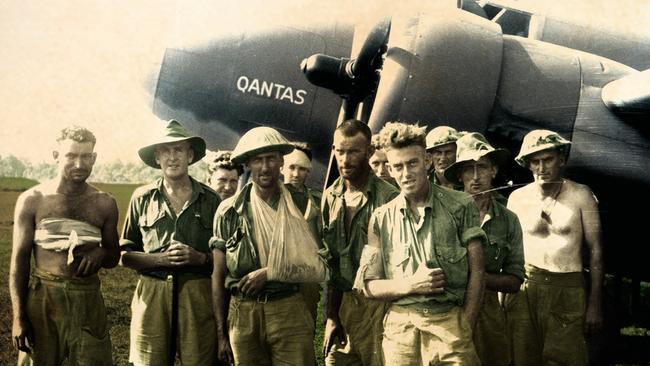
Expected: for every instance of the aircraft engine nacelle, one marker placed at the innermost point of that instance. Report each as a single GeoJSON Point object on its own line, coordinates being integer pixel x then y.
{"type": "Point", "coordinates": [441, 68]}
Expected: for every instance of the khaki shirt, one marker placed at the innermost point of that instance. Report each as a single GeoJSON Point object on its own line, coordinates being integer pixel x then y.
{"type": "Point", "coordinates": [450, 222]}
{"type": "Point", "coordinates": [151, 223]}
{"type": "Point", "coordinates": [345, 249]}
{"type": "Point", "coordinates": [504, 251]}
{"type": "Point", "coordinates": [233, 235]}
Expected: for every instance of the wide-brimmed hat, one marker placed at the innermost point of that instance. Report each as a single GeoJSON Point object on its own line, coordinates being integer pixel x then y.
{"type": "Point", "coordinates": [174, 132]}
{"type": "Point", "coordinates": [257, 141]}
{"type": "Point", "coordinates": [540, 140]}
{"type": "Point", "coordinates": [441, 135]}
{"type": "Point", "coordinates": [472, 147]}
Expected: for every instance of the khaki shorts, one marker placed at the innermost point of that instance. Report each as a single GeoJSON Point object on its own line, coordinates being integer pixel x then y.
{"type": "Point", "coordinates": [69, 320]}
{"type": "Point", "coordinates": [491, 334]}
{"type": "Point", "coordinates": [151, 322]}
{"type": "Point", "coordinates": [413, 337]}
{"type": "Point", "coordinates": [273, 332]}
{"type": "Point", "coordinates": [362, 319]}
{"type": "Point", "coordinates": [546, 319]}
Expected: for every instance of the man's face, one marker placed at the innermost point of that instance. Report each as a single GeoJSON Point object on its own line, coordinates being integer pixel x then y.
{"type": "Point", "coordinates": [295, 175]}
{"type": "Point", "coordinates": [443, 156]}
{"type": "Point", "coordinates": [477, 175]}
{"type": "Point", "coordinates": [174, 158]}
{"type": "Point", "coordinates": [408, 166]}
{"type": "Point", "coordinates": [75, 159]}
{"type": "Point", "coordinates": [265, 169]}
{"type": "Point", "coordinates": [379, 164]}
{"type": "Point", "coordinates": [224, 182]}
{"type": "Point", "coordinates": [546, 166]}
{"type": "Point", "coordinates": [351, 154]}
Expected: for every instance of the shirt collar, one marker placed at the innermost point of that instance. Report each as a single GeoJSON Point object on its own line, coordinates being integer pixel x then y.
{"type": "Point", "coordinates": [428, 205]}
{"type": "Point", "coordinates": [197, 188]}
{"type": "Point", "coordinates": [338, 187]}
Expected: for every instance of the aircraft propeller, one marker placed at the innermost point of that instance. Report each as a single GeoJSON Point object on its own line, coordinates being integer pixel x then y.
{"type": "Point", "coordinates": [352, 79]}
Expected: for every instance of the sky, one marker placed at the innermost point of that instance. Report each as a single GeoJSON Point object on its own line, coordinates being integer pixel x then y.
{"type": "Point", "coordinates": [89, 62]}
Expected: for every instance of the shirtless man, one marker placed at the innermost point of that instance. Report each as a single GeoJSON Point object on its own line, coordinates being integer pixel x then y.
{"type": "Point", "coordinates": [549, 316]}
{"type": "Point", "coordinates": [71, 228]}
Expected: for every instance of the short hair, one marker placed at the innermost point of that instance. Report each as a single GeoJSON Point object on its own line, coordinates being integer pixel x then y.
{"type": "Point", "coordinates": [304, 147]}
{"type": "Point", "coordinates": [396, 135]}
{"type": "Point", "coordinates": [222, 160]}
{"type": "Point", "coordinates": [76, 133]}
{"type": "Point", "coordinates": [352, 127]}
{"type": "Point", "coordinates": [375, 142]}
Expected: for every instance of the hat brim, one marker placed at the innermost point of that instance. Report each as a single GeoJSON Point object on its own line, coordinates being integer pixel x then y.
{"type": "Point", "coordinates": [148, 153]}
{"type": "Point", "coordinates": [246, 155]}
{"type": "Point", "coordinates": [429, 148]}
{"type": "Point", "coordinates": [497, 156]}
{"type": "Point", "coordinates": [522, 159]}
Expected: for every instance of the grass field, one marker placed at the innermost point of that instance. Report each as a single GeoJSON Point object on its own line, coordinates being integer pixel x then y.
{"type": "Point", "coordinates": [118, 284]}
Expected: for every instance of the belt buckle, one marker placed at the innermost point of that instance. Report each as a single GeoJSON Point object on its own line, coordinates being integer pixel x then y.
{"type": "Point", "coordinates": [263, 299]}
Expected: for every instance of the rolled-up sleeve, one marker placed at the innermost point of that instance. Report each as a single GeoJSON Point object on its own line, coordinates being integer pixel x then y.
{"type": "Point", "coordinates": [221, 229]}
{"type": "Point", "coordinates": [131, 235]}
{"type": "Point", "coordinates": [470, 227]}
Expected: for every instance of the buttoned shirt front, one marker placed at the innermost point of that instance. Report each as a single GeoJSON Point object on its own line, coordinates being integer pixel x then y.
{"type": "Point", "coordinates": [151, 224]}
{"type": "Point", "coordinates": [345, 248]}
{"type": "Point", "coordinates": [233, 235]}
{"type": "Point", "coordinates": [504, 251]}
{"type": "Point", "coordinates": [439, 239]}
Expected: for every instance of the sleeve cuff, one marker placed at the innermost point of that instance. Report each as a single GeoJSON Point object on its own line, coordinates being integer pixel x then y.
{"type": "Point", "coordinates": [473, 233]}
{"type": "Point", "coordinates": [216, 243]}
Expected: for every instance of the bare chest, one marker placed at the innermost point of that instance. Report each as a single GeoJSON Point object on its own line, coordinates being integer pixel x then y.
{"type": "Point", "coordinates": [83, 208]}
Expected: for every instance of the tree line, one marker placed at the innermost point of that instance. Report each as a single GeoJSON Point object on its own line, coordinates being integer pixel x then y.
{"type": "Point", "coordinates": [110, 172]}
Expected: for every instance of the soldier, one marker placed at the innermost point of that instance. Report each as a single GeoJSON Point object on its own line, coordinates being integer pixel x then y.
{"type": "Point", "coordinates": [477, 163]}
{"type": "Point", "coordinates": [296, 169]}
{"type": "Point", "coordinates": [379, 162]}
{"type": "Point", "coordinates": [165, 239]}
{"type": "Point", "coordinates": [224, 175]}
{"type": "Point", "coordinates": [268, 320]}
{"type": "Point", "coordinates": [353, 329]}
{"type": "Point", "coordinates": [547, 318]}
{"type": "Point", "coordinates": [441, 145]}
{"type": "Point", "coordinates": [425, 256]}
{"type": "Point", "coordinates": [71, 228]}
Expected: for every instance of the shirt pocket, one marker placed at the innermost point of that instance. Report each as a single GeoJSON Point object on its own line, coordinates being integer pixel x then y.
{"type": "Point", "coordinates": [153, 227]}
{"type": "Point", "coordinates": [496, 250]}
{"type": "Point", "coordinates": [241, 258]}
{"type": "Point", "coordinates": [200, 230]}
{"type": "Point", "coordinates": [453, 260]}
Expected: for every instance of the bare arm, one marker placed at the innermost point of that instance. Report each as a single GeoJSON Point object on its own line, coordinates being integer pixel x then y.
{"type": "Point", "coordinates": [593, 240]}
{"type": "Point", "coordinates": [220, 301]}
{"type": "Point", "coordinates": [334, 331]}
{"type": "Point", "coordinates": [476, 283]}
{"type": "Point", "coordinates": [23, 241]}
{"type": "Point", "coordinates": [502, 282]}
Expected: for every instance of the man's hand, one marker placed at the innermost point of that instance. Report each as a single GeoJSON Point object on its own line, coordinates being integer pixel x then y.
{"type": "Point", "coordinates": [182, 255]}
{"type": "Point", "coordinates": [224, 352]}
{"type": "Point", "coordinates": [334, 332]}
{"type": "Point", "coordinates": [91, 260]}
{"type": "Point", "coordinates": [426, 281]}
{"type": "Point", "coordinates": [593, 319]}
{"type": "Point", "coordinates": [253, 283]}
{"type": "Point", "coordinates": [22, 334]}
